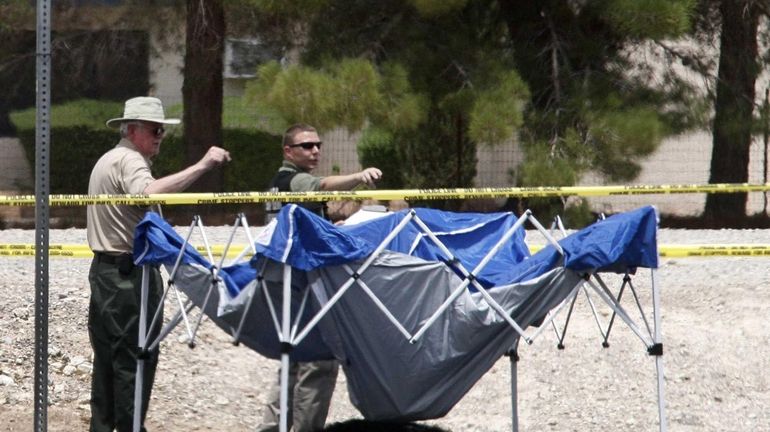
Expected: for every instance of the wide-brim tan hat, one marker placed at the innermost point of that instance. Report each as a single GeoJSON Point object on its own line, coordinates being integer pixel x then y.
{"type": "Point", "coordinates": [143, 108]}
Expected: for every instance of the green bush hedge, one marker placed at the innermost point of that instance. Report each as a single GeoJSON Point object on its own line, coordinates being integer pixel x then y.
{"type": "Point", "coordinates": [81, 112]}
{"type": "Point", "coordinates": [256, 157]}
{"type": "Point", "coordinates": [74, 151]}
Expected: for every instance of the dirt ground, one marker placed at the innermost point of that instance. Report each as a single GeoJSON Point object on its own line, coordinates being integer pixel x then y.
{"type": "Point", "coordinates": [715, 335]}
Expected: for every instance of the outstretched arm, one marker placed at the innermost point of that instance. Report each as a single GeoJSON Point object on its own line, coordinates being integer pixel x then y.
{"type": "Point", "coordinates": [346, 182]}
{"type": "Point", "coordinates": [181, 180]}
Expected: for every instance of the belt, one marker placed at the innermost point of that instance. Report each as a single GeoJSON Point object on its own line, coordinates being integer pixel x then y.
{"type": "Point", "coordinates": [112, 259]}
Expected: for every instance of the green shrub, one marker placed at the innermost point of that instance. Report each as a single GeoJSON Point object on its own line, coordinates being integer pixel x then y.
{"type": "Point", "coordinates": [236, 114]}
{"type": "Point", "coordinates": [82, 112]}
{"type": "Point", "coordinates": [256, 158]}
{"type": "Point", "coordinates": [74, 151]}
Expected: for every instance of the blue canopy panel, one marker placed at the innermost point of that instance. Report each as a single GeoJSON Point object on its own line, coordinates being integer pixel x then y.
{"type": "Point", "coordinates": [156, 242]}
{"type": "Point", "coordinates": [300, 238]}
{"type": "Point", "coordinates": [307, 241]}
{"type": "Point", "coordinates": [618, 244]}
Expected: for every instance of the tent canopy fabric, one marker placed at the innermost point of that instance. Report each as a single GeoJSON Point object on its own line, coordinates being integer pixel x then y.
{"type": "Point", "coordinates": [305, 241]}
{"type": "Point", "coordinates": [389, 376]}
{"type": "Point", "coordinates": [613, 244]}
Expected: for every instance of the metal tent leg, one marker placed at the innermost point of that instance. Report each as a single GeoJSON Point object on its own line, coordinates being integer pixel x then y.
{"type": "Point", "coordinates": [138, 381]}
{"type": "Point", "coordinates": [661, 399]}
{"type": "Point", "coordinates": [285, 348]}
{"type": "Point", "coordinates": [658, 352]}
{"type": "Point", "coordinates": [513, 354]}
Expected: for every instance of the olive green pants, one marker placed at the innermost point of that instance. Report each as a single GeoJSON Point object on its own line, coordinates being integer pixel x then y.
{"type": "Point", "coordinates": [311, 386]}
{"type": "Point", "coordinates": [113, 327]}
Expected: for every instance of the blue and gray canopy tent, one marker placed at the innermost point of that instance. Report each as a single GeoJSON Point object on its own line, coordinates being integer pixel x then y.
{"type": "Point", "coordinates": [416, 305]}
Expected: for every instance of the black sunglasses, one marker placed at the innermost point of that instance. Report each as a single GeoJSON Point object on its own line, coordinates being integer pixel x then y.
{"type": "Point", "coordinates": [158, 131]}
{"type": "Point", "coordinates": [307, 145]}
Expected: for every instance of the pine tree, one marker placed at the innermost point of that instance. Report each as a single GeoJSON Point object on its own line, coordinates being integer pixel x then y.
{"type": "Point", "coordinates": [734, 106]}
{"type": "Point", "coordinates": [446, 76]}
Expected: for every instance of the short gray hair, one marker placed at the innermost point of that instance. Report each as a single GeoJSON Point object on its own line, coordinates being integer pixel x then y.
{"type": "Point", "coordinates": [124, 128]}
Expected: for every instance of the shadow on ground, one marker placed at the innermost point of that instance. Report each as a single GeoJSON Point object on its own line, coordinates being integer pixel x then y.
{"type": "Point", "coordinates": [370, 426]}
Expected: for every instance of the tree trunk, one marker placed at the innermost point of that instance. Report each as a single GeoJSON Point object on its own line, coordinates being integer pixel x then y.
{"type": "Point", "coordinates": [738, 69]}
{"type": "Point", "coordinates": [202, 87]}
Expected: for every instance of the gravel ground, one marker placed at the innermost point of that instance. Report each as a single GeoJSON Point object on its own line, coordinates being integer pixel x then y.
{"type": "Point", "coordinates": [715, 336]}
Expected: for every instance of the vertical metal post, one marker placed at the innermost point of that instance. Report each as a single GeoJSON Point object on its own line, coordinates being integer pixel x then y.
{"type": "Point", "coordinates": [283, 425]}
{"type": "Point", "coordinates": [514, 393]}
{"type": "Point", "coordinates": [42, 189]}
{"type": "Point", "coordinates": [513, 353]}
{"type": "Point", "coordinates": [765, 134]}
{"type": "Point", "coordinates": [142, 343]}
{"type": "Point", "coordinates": [663, 424]}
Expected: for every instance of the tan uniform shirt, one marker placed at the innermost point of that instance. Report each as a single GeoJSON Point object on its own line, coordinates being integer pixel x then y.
{"type": "Point", "coordinates": [122, 170]}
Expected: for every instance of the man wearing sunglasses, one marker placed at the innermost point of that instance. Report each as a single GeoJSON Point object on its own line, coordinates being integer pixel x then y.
{"type": "Point", "coordinates": [301, 155]}
{"type": "Point", "coordinates": [113, 315]}
{"type": "Point", "coordinates": [311, 384]}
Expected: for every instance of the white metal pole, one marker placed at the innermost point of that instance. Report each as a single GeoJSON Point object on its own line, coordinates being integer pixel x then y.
{"type": "Point", "coordinates": [138, 381]}
{"type": "Point", "coordinates": [514, 355]}
{"type": "Point", "coordinates": [659, 352]}
{"type": "Point", "coordinates": [285, 342]}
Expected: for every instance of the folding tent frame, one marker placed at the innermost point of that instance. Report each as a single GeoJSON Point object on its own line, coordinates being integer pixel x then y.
{"type": "Point", "coordinates": [290, 335]}
{"type": "Point", "coordinates": [650, 336]}
{"type": "Point", "coordinates": [184, 306]}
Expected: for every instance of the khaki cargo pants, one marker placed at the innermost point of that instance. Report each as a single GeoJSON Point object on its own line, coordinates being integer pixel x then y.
{"type": "Point", "coordinates": [311, 386]}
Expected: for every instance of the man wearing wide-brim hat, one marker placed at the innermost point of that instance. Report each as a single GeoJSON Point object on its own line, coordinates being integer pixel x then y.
{"type": "Point", "coordinates": [113, 315]}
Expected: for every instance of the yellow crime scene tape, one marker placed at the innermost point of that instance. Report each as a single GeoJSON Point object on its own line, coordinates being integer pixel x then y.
{"type": "Point", "coordinates": [702, 250]}
{"type": "Point", "coordinates": [747, 250]}
{"type": "Point", "coordinates": [664, 250]}
{"type": "Point", "coordinates": [77, 251]}
{"type": "Point", "coordinates": [83, 251]}
{"type": "Point", "coordinates": [382, 195]}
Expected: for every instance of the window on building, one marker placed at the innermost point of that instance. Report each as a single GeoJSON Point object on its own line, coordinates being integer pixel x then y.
{"type": "Point", "coordinates": [243, 56]}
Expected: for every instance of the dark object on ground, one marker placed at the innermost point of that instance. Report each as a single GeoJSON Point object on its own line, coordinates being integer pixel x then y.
{"type": "Point", "coordinates": [759, 220]}
{"type": "Point", "coordinates": [373, 426]}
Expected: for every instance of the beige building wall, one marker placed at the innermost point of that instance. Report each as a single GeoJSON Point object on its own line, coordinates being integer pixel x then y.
{"type": "Point", "coordinates": [15, 171]}
{"type": "Point", "coordinates": [683, 159]}
{"type": "Point", "coordinates": [165, 27]}
{"type": "Point", "coordinates": [167, 63]}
